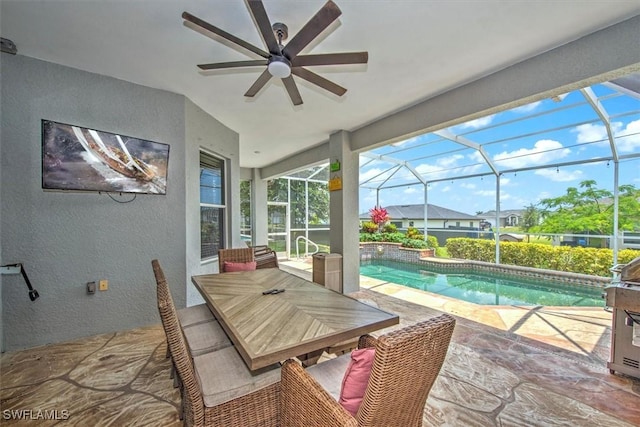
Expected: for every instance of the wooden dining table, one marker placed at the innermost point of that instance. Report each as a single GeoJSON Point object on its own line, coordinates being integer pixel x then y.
{"type": "Point", "coordinates": [305, 318]}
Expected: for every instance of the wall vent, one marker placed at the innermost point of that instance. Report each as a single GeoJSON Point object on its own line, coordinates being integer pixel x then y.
{"type": "Point", "coordinates": [630, 362]}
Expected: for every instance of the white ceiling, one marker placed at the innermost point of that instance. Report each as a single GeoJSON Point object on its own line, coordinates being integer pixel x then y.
{"type": "Point", "coordinates": [417, 49]}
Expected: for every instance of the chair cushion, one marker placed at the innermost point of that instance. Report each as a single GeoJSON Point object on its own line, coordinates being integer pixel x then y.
{"type": "Point", "coordinates": [356, 379]}
{"type": "Point", "coordinates": [205, 337]}
{"type": "Point", "coordinates": [195, 314]}
{"type": "Point", "coordinates": [223, 376]}
{"type": "Point", "coordinates": [239, 266]}
{"type": "Point", "coordinates": [330, 373]}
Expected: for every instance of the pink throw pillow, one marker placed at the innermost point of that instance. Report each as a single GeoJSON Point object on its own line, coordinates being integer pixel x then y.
{"type": "Point", "coordinates": [239, 266]}
{"type": "Point", "coordinates": [356, 379]}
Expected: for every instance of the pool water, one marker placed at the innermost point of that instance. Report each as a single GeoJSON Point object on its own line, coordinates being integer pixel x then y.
{"type": "Point", "coordinates": [485, 289]}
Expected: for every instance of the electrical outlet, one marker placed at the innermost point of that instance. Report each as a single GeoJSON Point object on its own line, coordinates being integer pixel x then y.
{"type": "Point", "coordinates": [91, 288]}
{"type": "Point", "coordinates": [104, 285]}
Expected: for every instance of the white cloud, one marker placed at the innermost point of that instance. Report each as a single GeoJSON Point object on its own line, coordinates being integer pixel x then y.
{"type": "Point", "coordinates": [520, 202]}
{"type": "Point", "coordinates": [543, 151]}
{"type": "Point", "coordinates": [628, 139]}
{"type": "Point", "coordinates": [485, 193]}
{"type": "Point", "coordinates": [504, 180]}
{"type": "Point", "coordinates": [543, 195]}
{"type": "Point", "coordinates": [364, 176]}
{"type": "Point", "coordinates": [559, 175]}
{"type": "Point", "coordinates": [468, 185]}
{"type": "Point", "coordinates": [450, 161]}
{"type": "Point", "coordinates": [590, 132]}
{"type": "Point", "coordinates": [410, 190]}
{"type": "Point", "coordinates": [406, 141]}
{"type": "Point", "coordinates": [446, 167]}
{"type": "Point", "coordinates": [446, 188]}
{"type": "Point", "coordinates": [527, 108]}
{"type": "Point", "coordinates": [478, 123]}
{"type": "Point", "coordinates": [368, 198]}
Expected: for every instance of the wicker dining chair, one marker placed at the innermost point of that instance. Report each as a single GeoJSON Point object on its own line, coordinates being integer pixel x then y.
{"type": "Point", "coordinates": [202, 331]}
{"type": "Point", "coordinates": [189, 315]}
{"type": "Point", "coordinates": [406, 364]}
{"type": "Point", "coordinates": [265, 257]}
{"type": "Point", "coordinates": [234, 255]}
{"type": "Point", "coordinates": [217, 388]}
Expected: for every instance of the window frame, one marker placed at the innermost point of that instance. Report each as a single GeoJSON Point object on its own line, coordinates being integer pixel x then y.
{"type": "Point", "coordinates": [224, 232]}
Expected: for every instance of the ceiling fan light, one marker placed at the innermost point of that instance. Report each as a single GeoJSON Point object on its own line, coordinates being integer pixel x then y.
{"type": "Point", "coordinates": [278, 67]}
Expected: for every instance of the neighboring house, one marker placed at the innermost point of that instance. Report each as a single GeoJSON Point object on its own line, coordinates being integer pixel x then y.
{"type": "Point", "coordinates": [405, 216]}
{"type": "Point", "coordinates": [508, 218]}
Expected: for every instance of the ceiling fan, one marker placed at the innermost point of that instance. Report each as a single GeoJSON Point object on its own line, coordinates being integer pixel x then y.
{"type": "Point", "coordinates": [283, 61]}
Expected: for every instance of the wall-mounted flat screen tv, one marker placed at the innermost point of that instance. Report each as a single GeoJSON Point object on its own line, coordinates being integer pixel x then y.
{"type": "Point", "coordinates": [76, 158]}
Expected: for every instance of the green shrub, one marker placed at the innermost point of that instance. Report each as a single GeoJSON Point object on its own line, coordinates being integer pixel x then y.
{"type": "Point", "coordinates": [390, 228]}
{"type": "Point", "coordinates": [369, 227]}
{"type": "Point", "coordinates": [433, 241]}
{"type": "Point", "coordinates": [370, 237]}
{"type": "Point", "coordinates": [441, 252]}
{"type": "Point", "coordinates": [592, 261]}
{"type": "Point", "coordinates": [382, 237]}
{"type": "Point", "coordinates": [392, 237]}
{"type": "Point", "coordinates": [415, 244]}
{"type": "Point", "coordinates": [414, 233]}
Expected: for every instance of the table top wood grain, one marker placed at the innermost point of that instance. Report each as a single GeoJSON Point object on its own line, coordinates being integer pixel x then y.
{"type": "Point", "coordinates": [306, 317]}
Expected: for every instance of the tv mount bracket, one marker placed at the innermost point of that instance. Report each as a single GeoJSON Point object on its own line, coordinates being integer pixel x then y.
{"type": "Point", "coordinates": [19, 268]}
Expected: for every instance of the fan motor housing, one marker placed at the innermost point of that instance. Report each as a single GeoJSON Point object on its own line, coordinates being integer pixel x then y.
{"type": "Point", "coordinates": [280, 30]}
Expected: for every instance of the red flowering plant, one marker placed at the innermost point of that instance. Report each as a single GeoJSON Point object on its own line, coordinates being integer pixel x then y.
{"type": "Point", "coordinates": [379, 216]}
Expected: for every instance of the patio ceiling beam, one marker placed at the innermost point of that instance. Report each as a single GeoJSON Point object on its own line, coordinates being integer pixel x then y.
{"type": "Point", "coordinates": [447, 134]}
{"type": "Point", "coordinates": [592, 99]}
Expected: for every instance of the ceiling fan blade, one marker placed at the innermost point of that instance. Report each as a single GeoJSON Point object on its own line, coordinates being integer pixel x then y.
{"type": "Point", "coordinates": [292, 90]}
{"type": "Point", "coordinates": [331, 59]}
{"type": "Point", "coordinates": [259, 84]}
{"type": "Point", "coordinates": [200, 24]}
{"type": "Point", "coordinates": [235, 64]}
{"type": "Point", "coordinates": [312, 77]}
{"type": "Point", "coordinates": [311, 29]}
{"type": "Point", "coordinates": [262, 21]}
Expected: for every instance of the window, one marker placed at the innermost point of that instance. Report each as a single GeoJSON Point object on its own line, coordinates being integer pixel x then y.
{"type": "Point", "coordinates": [212, 205]}
{"type": "Point", "coordinates": [246, 229]}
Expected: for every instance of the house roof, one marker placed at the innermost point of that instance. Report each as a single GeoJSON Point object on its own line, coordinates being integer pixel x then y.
{"type": "Point", "coordinates": [503, 214]}
{"type": "Point", "coordinates": [434, 212]}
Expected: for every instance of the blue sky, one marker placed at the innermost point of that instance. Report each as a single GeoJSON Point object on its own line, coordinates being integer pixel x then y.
{"type": "Point", "coordinates": [544, 133]}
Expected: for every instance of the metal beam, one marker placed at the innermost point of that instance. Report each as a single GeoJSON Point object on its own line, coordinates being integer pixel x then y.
{"type": "Point", "coordinates": [391, 160]}
{"type": "Point", "coordinates": [592, 99]}
{"type": "Point", "coordinates": [447, 134]}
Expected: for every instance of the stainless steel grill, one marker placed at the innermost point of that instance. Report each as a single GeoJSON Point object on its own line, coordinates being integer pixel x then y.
{"type": "Point", "coordinates": [623, 296]}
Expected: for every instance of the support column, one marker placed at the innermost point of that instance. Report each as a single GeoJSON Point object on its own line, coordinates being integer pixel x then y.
{"type": "Point", "coordinates": [259, 209]}
{"type": "Point", "coordinates": [344, 235]}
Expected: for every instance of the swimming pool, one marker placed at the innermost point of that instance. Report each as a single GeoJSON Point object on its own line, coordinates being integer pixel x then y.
{"type": "Point", "coordinates": [485, 289]}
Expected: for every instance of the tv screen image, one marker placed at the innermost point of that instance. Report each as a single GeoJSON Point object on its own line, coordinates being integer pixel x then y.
{"type": "Point", "coordinates": [76, 158]}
